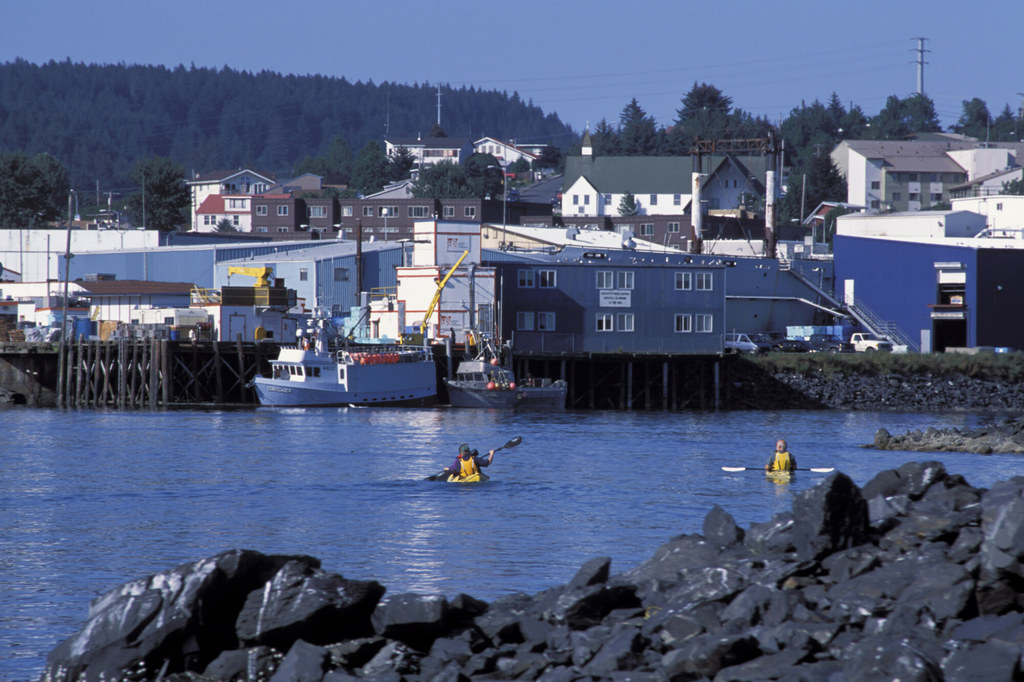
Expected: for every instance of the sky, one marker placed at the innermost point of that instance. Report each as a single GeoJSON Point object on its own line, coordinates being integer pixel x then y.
{"type": "Point", "coordinates": [584, 61]}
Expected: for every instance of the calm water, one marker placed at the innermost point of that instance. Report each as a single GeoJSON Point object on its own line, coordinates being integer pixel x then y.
{"type": "Point", "coordinates": [89, 500]}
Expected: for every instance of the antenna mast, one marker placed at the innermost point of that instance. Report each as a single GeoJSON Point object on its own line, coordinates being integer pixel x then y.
{"type": "Point", "coordinates": [920, 64]}
{"type": "Point", "coordinates": [438, 105]}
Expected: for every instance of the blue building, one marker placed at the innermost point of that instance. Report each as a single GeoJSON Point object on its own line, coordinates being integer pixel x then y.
{"type": "Point", "coordinates": [607, 301]}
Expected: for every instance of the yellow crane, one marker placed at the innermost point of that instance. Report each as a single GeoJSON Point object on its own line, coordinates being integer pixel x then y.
{"type": "Point", "coordinates": [262, 275]}
{"type": "Point", "coordinates": [437, 294]}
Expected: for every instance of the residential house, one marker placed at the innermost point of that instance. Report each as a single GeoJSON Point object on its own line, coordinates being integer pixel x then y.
{"type": "Point", "coordinates": [987, 185]}
{"type": "Point", "coordinates": [431, 150]}
{"type": "Point", "coordinates": [506, 153]}
{"type": "Point", "coordinates": [235, 208]}
{"type": "Point", "coordinates": [226, 182]}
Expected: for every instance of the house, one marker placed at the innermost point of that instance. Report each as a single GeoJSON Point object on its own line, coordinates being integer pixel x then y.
{"type": "Point", "coordinates": [987, 185]}
{"type": "Point", "coordinates": [431, 150]}
{"type": "Point", "coordinates": [506, 153]}
{"type": "Point", "coordinates": [307, 182]}
{"type": "Point", "coordinates": [912, 175]}
{"type": "Point", "coordinates": [235, 208]}
{"type": "Point", "coordinates": [228, 182]}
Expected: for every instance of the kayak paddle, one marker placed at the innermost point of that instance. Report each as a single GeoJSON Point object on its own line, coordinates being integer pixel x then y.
{"type": "Point", "coordinates": [817, 470]}
{"type": "Point", "coordinates": [442, 475]}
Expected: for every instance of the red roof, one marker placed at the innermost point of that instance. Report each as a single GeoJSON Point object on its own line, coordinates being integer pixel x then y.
{"type": "Point", "coordinates": [211, 204]}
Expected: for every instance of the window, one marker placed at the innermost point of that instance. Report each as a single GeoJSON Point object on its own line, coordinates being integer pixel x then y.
{"type": "Point", "coordinates": [654, 200]}
{"type": "Point", "coordinates": [234, 220]}
{"type": "Point", "coordinates": [524, 321]}
{"type": "Point", "coordinates": [449, 211]}
{"type": "Point", "coordinates": [283, 229]}
{"type": "Point", "coordinates": [262, 229]}
{"type": "Point", "coordinates": [937, 197]}
{"type": "Point", "coordinates": [367, 211]}
{"type": "Point", "coordinates": [604, 279]}
{"type": "Point", "coordinates": [303, 274]}
{"type": "Point", "coordinates": [913, 177]}
{"type": "Point", "coordinates": [896, 196]}
{"type": "Point", "coordinates": [236, 203]}
{"type": "Point", "coordinates": [875, 184]}
{"type": "Point", "coordinates": [705, 282]}
{"type": "Point", "coordinates": [646, 229]}
{"type": "Point", "coordinates": [623, 280]}
{"type": "Point", "coordinates": [316, 211]}
{"type": "Point", "coordinates": [546, 322]}
{"type": "Point", "coordinates": [933, 177]}
{"type": "Point", "coordinates": [684, 323]}
{"type": "Point", "coordinates": [605, 322]}
{"type": "Point", "coordinates": [607, 198]}
{"type": "Point", "coordinates": [340, 274]}
{"type": "Point", "coordinates": [684, 281]}
{"type": "Point", "coordinates": [914, 196]}
{"type": "Point", "coordinates": [677, 199]}
{"type": "Point", "coordinates": [418, 211]}
{"type": "Point", "coordinates": [875, 203]}
{"type": "Point", "coordinates": [209, 220]}
{"type": "Point", "coordinates": [673, 228]}
{"type": "Point", "coordinates": [470, 212]}
{"type": "Point", "coordinates": [575, 199]}
{"type": "Point", "coordinates": [546, 279]}
{"type": "Point", "coordinates": [624, 322]}
{"type": "Point", "coordinates": [282, 210]}
{"type": "Point", "coordinates": [261, 209]}
{"type": "Point", "coordinates": [346, 211]}
{"type": "Point", "coordinates": [387, 211]}
{"type": "Point", "coordinates": [586, 199]}
{"type": "Point", "coordinates": [526, 279]}
{"type": "Point", "coordinates": [704, 324]}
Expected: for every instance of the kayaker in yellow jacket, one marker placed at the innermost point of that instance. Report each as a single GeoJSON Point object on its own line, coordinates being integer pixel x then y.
{"type": "Point", "coordinates": [468, 462]}
{"type": "Point", "coordinates": [781, 459]}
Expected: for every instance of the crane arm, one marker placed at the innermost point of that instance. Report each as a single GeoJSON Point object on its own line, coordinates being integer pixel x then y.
{"type": "Point", "coordinates": [262, 275]}
{"type": "Point", "coordinates": [437, 294]}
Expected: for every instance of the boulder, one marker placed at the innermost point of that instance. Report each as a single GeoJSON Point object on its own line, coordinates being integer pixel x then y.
{"type": "Point", "coordinates": [828, 517]}
{"type": "Point", "coordinates": [720, 528]}
{"type": "Point", "coordinates": [413, 619]}
{"type": "Point", "coordinates": [305, 662]}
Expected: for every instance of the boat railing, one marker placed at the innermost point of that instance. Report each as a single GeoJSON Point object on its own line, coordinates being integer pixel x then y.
{"type": "Point", "coordinates": [381, 355]}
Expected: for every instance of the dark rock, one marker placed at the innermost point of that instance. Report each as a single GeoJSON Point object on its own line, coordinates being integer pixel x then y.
{"type": "Point", "coordinates": [304, 602]}
{"type": "Point", "coordinates": [888, 658]}
{"type": "Point", "coordinates": [992, 661]}
{"type": "Point", "coordinates": [394, 658]}
{"type": "Point", "coordinates": [621, 651]}
{"type": "Point", "coordinates": [581, 610]}
{"type": "Point", "coordinates": [592, 572]}
{"type": "Point", "coordinates": [705, 655]}
{"type": "Point", "coordinates": [411, 618]}
{"type": "Point", "coordinates": [244, 664]}
{"type": "Point", "coordinates": [305, 662]}
{"type": "Point", "coordinates": [771, 537]}
{"type": "Point", "coordinates": [828, 517]}
{"type": "Point", "coordinates": [720, 528]}
{"type": "Point", "coordinates": [355, 653]}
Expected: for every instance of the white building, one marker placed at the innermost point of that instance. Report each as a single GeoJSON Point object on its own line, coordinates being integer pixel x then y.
{"type": "Point", "coordinates": [225, 182]}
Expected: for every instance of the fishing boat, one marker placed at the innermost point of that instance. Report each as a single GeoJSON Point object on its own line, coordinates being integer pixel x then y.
{"type": "Point", "coordinates": [355, 376]}
{"type": "Point", "coordinates": [483, 383]}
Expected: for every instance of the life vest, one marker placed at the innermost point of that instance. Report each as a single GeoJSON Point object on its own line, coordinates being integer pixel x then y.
{"type": "Point", "coordinates": [468, 467]}
{"type": "Point", "coordinates": [782, 462]}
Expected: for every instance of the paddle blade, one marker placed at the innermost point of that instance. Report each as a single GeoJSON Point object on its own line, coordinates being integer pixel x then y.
{"type": "Point", "coordinates": [735, 468]}
{"type": "Point", "coordinates": [823, 470]}
{"type": "Point", "coordinates": [514, 442]}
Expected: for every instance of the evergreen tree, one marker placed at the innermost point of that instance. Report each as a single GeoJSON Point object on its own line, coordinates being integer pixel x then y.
{"type": "Point", "coordinates": [1014, 187]}
{"type": "Point", "coordinates": [637, 131]}
{"type": "Point", "coordinates": [163, 202]}
{"type": "Point", "coordinates": [975, 121]}
{"type": "Point", "coordinates": [370, 171]}
{"type": "Point", "coordinates": [703, 116]}
{"type": "Point", "coordinates": [484, 176]}
{"type": "Point", "coordinates": [444, 180]}
{"type": "Point", "coordinates": [627, 205]}
{"type": "Point", "coordinates": [32, 190]}
{"type": "Point", "coordinates": [604, 140]}
{"type": "Point", "coordinates": [400, 164]}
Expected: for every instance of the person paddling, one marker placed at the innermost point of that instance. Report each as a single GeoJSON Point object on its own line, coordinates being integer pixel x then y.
{"type": "Point", "coordinates": [468, 462]}
{"type": "Point", "coordinates": [781, 459]}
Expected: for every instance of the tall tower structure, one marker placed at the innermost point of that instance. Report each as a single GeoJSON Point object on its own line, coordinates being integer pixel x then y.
{"type": "Point", "coordinates": [920, 64]}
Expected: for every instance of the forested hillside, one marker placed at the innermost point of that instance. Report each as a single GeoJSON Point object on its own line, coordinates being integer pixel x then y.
{"type": "Point", "coordinates": [99, 120]}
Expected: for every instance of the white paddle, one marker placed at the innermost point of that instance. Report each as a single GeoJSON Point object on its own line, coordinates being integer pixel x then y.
{"type": "Point", "coordinates": [817, 470]}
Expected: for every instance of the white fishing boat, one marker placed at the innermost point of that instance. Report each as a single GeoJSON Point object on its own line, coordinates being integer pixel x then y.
{"type": "Point", "coordinates": [482, 383]}
{"type": "Point", "coordinates": [390, 376]}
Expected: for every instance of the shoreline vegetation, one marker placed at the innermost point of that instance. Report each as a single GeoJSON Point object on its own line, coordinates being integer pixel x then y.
{"type": "Point", "coordinates": [915, 575]}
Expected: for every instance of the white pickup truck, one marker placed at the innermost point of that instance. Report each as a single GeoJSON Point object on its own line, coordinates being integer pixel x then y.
{"type": "Point", "coordinates": [866, 343]}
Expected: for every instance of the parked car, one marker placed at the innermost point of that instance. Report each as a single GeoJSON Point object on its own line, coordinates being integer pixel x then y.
{"type": "Point", "coordinates": [793, 346]}
{"type": "Point", "coordinates": [773, 339]}
{"type": "Point", "coordinates": [826, 343]}
{"type": "Point", "coordinates": [742, 343]}
{"type": "Point", "coordinates": [866, 343]}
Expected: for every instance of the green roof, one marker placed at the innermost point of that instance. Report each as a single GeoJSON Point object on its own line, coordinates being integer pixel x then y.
{"type": "Point", "coordinates": [648, 174]}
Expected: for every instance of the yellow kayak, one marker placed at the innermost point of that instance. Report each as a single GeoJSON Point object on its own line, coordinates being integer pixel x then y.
{"type": "Point", "coordinates": [780, 476]}
{"type": "Point", "coordinates": [475, 478]}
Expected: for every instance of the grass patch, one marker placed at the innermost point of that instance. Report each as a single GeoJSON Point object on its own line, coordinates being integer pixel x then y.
{"type": "Point", "coordinates": [1002, 366]}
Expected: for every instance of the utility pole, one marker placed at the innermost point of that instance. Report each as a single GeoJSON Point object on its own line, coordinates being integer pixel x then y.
{"type": "Point", "coordinates": [439, 105]}
{"type": "Point", "coordinates": [920, 64]}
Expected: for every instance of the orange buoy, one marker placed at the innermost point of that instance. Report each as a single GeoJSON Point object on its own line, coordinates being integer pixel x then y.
{"type": "Point", "coordinates": [490, 386]}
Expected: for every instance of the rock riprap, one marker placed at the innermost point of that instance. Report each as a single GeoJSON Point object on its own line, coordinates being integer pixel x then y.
{"type": "Point", "coordinates": [1006, 436]}
{"type": "Point", "coordinates": [916, 576]}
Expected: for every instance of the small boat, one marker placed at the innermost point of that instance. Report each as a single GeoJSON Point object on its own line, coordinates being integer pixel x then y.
{"type": "Point", "coordinates": [356, 376]}
{"type": "Point", "coordinates": [482, 383]}
{"type": "Point", "coordinates": [780, 476]}
{"type": "Point", "coordinates": [478, 477]}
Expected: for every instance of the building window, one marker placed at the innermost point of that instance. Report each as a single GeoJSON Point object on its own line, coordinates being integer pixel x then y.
{"type": "Point", "coordinates": [470, 212]}
{"type": "Point", "coordinates": [604, 279]}
{"type": "Point", "coordinates": [546, 279]}
{"type": "Point", "coordinates": [526, 279]}
{"type": "Point", "coordinates": [586, 200]}
{"type": "Point", "coordinates": [913, 177]}
{"type": "Point", "coordinates": [449, 211]}
{"type": "Point", "coordinates": [316, 211]}
{"type": "Point", "coordinates": [654, 200]}
{"type": "Point", "coordinates": [524, 321]}
{"type": "Point", "coordinates": [261, 209]}
{"type": "Point", "coordinates": [937, 197]}
{"type": "Point", "coordinates": [236, 203]}
{"type": "Point", "coordinates": [303, 274]}
{"type": "Point", "coordinates": [646, 229]}
{"type": "Point", "coordinates": [340, 274]}
{"type": "Point", "coordinates": [673, 228]}
{"type": "Point", "coordinates": [607, 199]}
{"type": "Point", "coordinates": [705, 282]}
{"type": "Point", "coordinates": [546, 322]}
{"type": "Point", "coordinates": [684, 281]}
{"type": "Point", "coordinates": [999, 205]}
{"type": "Point", "coordinates": [684, 323]}
{"type": "Point", "coordinates": [705, 324]}
{"type": "Point", "coordinates": [234, 220]}
{"type": "Point", "coordinates": [677, 199]}
{"type": "Point", "coordinates": [875, 203]}
{"type": "Point", "coordinates": [282, 210]}
{"type": "Point", "coordinates": [387, 211]}
{"type": "Point", "coordinates": [575, 199]}
{"type": "Point", "coordinates": [263, 229]}
{"type": "Point", "coordinates": [896, 196]}
{"type": "Point", "coordinates": [605, 322]}
{"type": "Point", "coordinates": [624, 280]}
{"type": "Point", "coordinates": [418, 211]}
{"type": "Point", "coordinates": [283, 229]}
{"type": "Point", "coordinates": [346, 211]}
{"type": "Point", "coordinates": [367, 211]}
{"type": "Point", "coordinates": [624, 322]}
{"type": "Point", "coordinates": [913, 196]}
{"type": "Point", "coordinates": [875, 184]}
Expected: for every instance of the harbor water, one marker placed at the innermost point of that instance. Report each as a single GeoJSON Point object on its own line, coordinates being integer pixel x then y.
{"type": "Point", "coordinates": [92, 499]}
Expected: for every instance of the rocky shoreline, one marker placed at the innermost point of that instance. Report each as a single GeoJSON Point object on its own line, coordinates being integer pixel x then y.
{"type": "Point", "coordinates": [1006, 436]}
{"type": "Point", "coordinates": [916, 576]}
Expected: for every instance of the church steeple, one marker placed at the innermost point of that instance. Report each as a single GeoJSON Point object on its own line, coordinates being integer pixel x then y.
{"type": "Point", "coordinates": [586, 146]}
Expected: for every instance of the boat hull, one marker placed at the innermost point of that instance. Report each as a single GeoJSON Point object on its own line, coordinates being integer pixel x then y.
{"type": "Point", "coordinates": [475, 478]}
{"type": "Point", "coordinates": [465, 394]}
{"type": "Point", "coordinates": [284, 393]}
